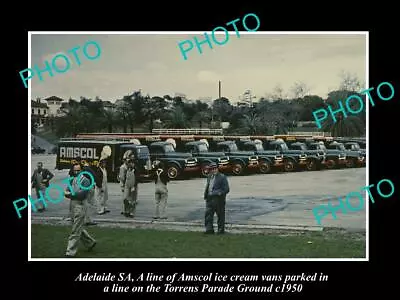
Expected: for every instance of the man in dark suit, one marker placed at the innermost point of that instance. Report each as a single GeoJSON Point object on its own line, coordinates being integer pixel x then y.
{"type": "Point", "coordinates": [217, 188]}
{"type": "Point", "coordinates": [40, 181]}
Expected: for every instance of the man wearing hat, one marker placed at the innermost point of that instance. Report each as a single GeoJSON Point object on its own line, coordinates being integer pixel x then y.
{"type": "Point", "coordinates": [78, 193]}
{"type": "Point", "coordinates": [217, 188]}
{"type": "Point", "coordinates": [90, 200]}
{"type": "Point", "coordinates": [129, 185]}
{"type": "Point", "coordinates": [40, 181]}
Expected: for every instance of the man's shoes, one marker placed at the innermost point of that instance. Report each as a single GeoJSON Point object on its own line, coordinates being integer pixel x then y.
{"type": "Point", "coordinates": [101, 213]}
{"type": "Point", "coordinates": [129, 215]}
{"type": "Point", "coordinates": [107, 211]}
{"type": "Point", "coordinates": [90, 223]}
{"type": "Point", "coordinates": [209, 232]}
{"type": "Point", "coordinates": [156, 218]}
{"type": "Point", "coordinates": [91, 247]}
{"type": "Point", "coordinates": [69, 256]}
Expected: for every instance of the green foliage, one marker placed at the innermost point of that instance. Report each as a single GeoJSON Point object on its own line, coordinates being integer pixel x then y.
{"type": "Point", "coordinates": [138, 113]}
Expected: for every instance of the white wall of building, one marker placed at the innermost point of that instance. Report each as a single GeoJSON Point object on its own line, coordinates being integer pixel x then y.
{"type": "Point", "coordinates": [54, 107]}
{"type": "Point", "coordinates": [39, 111]}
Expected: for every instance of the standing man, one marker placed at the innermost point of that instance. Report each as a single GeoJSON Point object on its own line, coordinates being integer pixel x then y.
{"type": "Point", "coordinates": [102, 188]}
{"type": "Point", "coordinates": [40, 181]}
{"type": "Point", "coordinates": [121, 178]}
{"type": "Point", "coordinates": [130, 187]}
{"type": "Point", "coordinates": [91, 199]}
{"type": "Point", "coordinates": [78, 193]}
{"type": "Point", "coordinates": [217, 188]}
{"type": "Point", "coordinates": [90, 202]}
{"type": "Point", "coordinates": [161, 191]}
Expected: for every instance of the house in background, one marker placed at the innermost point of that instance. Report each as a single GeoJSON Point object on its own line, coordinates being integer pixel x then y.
{"type": "Point", "coordinates": [39, 113]}
{"type": "Point", "coordinates": [54, 104]}
{"type": "Point", "coordinates": [109, 106]}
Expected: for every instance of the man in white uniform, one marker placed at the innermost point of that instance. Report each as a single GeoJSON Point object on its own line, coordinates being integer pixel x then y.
{"type": "Point", "coordinates": [102, 188]}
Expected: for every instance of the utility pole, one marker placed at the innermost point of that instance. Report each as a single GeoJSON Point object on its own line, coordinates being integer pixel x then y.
{"type": "Point", "coordinates": [219, 89]}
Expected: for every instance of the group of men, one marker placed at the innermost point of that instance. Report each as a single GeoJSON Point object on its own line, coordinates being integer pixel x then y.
{"type": "Point", "coordinates": [216, 189]}
{"type": "Point", "coordinates": [129, 179]}
{"type": "Point", "coordinates": [97, 196]}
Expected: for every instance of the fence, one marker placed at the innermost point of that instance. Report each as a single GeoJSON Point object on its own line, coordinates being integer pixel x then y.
{"type": "Point", "coordinates": [189, 131]}
{"type": "Point", "coordinates": [311, 133]}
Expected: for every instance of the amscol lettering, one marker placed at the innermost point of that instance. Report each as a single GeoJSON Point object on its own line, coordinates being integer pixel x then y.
{"type": "Point", "coordinates": [74, 152]}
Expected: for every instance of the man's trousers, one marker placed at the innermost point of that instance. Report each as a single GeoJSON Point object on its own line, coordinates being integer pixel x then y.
{"type": "Point", "coordinates": [215, 204]}
{"type": "Point", "coordinates": [78, 233]}
{"type": "Point", "coordinates": [130, 200]}
{"type": "Point", "coordinates": [161, 204]}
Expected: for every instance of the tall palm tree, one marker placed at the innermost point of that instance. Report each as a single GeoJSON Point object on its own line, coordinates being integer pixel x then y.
{"type": "Point", "coordinates": [110, 117]}
{"type": "Point", "coordinates": [72, 123]}
{"type": "Point", "coordinates": [202, 117]}
{"type": "Point", "coordinates": [351, 126]}
{"type": "Point", "coordinates": [251, 123]}
{"type": "Point", "coordinates": [177, 119]}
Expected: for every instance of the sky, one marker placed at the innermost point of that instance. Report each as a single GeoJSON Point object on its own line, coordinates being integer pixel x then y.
{"type": "Point", "coordinates": [154, 64]}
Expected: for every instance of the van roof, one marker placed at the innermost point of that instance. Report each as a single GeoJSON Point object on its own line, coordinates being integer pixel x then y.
{"type": "Point", "coordinates": [109, 142]}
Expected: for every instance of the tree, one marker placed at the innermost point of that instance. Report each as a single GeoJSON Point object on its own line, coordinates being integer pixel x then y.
{"type": "Point", "coordinates": [154, 109]}
{"type": "Point", "coordinates": [123, 115]}
{"type": "Point", "coordinates": [111, 118]}
{"type": "Point", "coordinates": [308, 105]}
{"type": "Point", "coordinates": [222, 108]}
{"type": "Point", "coordinates": [299, 90]}
{"type": "Point", "coordinates": [177, 119]}
{"type": "Point", "coordinates": [350, 82]}
{"type": "Point", "coordinates": [72, 123]}
{"type": "Point", "coordinates": [202, 117]}
{"type": "Point", "coordinates": [251, 123]}
{"type": "Point", "coordinates": [277, 93]}
{"type": "Point", "coordinates": [178, 101]}
{"type": "Point", "coordinates": [351, 126]}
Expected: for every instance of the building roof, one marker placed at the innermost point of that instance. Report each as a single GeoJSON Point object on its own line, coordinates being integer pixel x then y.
{"type": "Point", "coordinates": [108, 104]}
{"type": "Point", "coordinates": [38, 104]}
{"type": "Point", "coordinates": [54, 98]}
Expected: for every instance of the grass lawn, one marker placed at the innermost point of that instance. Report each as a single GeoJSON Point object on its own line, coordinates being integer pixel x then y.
{"type": "Point", "coordinates": [50, 241]}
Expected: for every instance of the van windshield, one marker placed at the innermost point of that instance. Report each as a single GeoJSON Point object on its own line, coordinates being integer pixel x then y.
{"type": "Point", "coordinates": [143, 152]}
{"type": "Point", "coordinates": [259, 147]}
{"type": "Point", "coordinates": [169, 148]}
{"type": "Point", "coordinates": [233, 147]}
{"type": "Point", "coordinates": [354, 147]}
{"type": "Point", "coordinates": [284, 147]}
{"type": "Point", "coordinates": [202, 148]}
